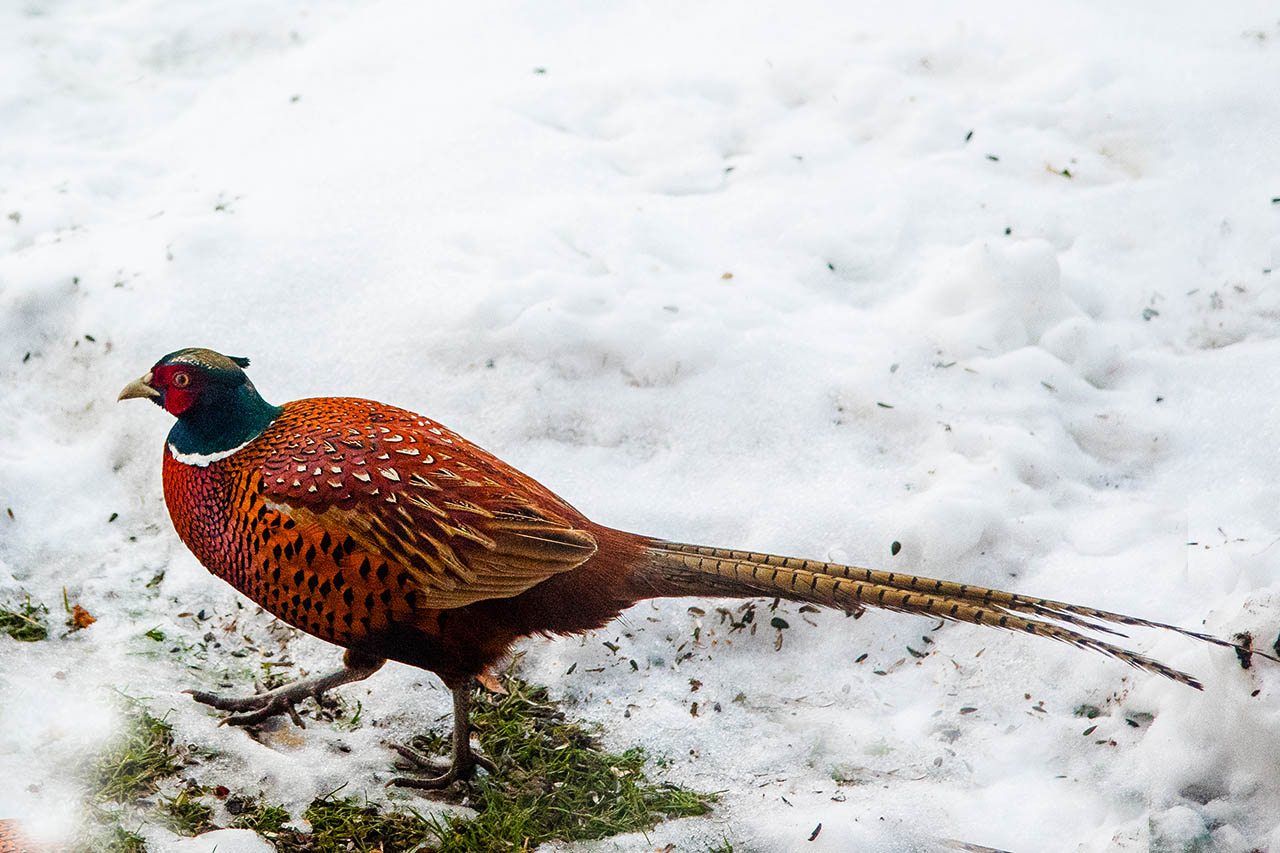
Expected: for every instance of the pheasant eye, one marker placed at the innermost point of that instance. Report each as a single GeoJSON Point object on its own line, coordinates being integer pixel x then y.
{"type": "Point", "coordinates": [181, 380]}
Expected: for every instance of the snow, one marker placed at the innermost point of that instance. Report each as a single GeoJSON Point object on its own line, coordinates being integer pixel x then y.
{"type": "Point", "coordinates": [722, 272]}
{"type": "Point", "coordinates": [223, 839]}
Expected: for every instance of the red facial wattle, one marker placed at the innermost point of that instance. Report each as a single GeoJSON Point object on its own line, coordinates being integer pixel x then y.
{"type": "Point", "coordinates": [178, 385]}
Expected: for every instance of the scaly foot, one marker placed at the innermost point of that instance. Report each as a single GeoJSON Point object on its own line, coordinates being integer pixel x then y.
{"type": "Point", "coordinates": [460, 769]}
{"type": "Point", "coordinates": [283, 700]}
{"type": "Point", "coordinates": [465, 759]}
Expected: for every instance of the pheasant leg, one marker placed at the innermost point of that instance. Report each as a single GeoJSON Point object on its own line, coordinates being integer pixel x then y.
{"type": "Point", "coordinates": [282, 700]}
{"type": "Point", "coordinates": [465, 760]}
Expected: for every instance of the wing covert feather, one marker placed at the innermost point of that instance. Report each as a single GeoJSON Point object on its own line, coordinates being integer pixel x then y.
{"type": "Point", "coordinates": [422, 497]}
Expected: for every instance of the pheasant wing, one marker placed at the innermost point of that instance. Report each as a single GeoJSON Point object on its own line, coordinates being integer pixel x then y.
{"type": "Point", "coordinates": [463, 525]}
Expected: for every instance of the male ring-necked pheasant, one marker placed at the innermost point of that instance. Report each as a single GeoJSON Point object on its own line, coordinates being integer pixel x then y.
{"type": "Point", "coordinates": [383, 532]}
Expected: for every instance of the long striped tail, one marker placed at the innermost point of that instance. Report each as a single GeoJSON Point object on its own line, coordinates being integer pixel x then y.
{"type": "Point", "coordinates": [677, 569]}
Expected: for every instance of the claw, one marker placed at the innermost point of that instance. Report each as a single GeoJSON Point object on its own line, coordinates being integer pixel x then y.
{"type": "Point", "coordinates": [462, 768]}
{"type": "Point", "coordinates": [430, 783]}
{"type": "Point", "coordinates": [278, 704]}
{"type": "Point", "coordinates": [224, 703]}
{"type": "Point", "coordinates": [413, 756]}
{"type": "Point", "coordinates": [457, 770]}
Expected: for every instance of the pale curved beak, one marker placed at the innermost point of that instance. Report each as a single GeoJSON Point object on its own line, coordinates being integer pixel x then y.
{"type": "Point", "coordinates": [138, 388]}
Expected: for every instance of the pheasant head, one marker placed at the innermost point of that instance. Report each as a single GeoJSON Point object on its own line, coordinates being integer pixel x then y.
{"type": "Point", "coordinates": [216, 405]}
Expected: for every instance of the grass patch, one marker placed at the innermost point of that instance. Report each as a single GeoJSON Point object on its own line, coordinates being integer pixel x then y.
{"type": "Point", "coordinates": [340, 826]}
{"type": "Point", "coordinates": [261, 818]}
{"type": "Point", "coordinates": [141, 757]}
{"type": "Point", "coordinates": [107, 834]}
{"type": "Point", "coordinates": [554, 781]}
{"type": "Point", "coordinates": [131, 769]}
{"type": "Point", "coordinates": [185, 815]}
{"type": "Point", "coordinates": [116, 839]}
{"type": "Point", "coordinates": [26, 622]}
{"type": "Point", "coordinates": [364, 828]}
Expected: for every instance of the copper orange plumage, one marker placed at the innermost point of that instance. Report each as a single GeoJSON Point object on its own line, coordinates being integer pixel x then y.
{"type": "Point", "coordinates": [12, 839]}
{"type": "Point", "coordinates": [384, 532]}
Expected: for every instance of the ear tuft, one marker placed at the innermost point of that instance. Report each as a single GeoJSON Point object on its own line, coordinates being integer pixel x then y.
{"type": "Point", "coordinates": [240, 360]}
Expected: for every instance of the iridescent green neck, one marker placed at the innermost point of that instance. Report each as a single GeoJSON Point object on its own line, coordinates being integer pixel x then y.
{"type": "Point", "coordinates": [224, 419]}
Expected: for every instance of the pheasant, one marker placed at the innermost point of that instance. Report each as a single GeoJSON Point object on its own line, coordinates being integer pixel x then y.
{"type": "Point", "coordinates": [385, 533]}
{"type": "Point", "coordinates": [12, 839]}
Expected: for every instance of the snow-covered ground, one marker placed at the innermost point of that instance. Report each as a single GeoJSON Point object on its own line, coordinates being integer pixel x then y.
{"type": "Point", "coordinates": [992, 282]}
